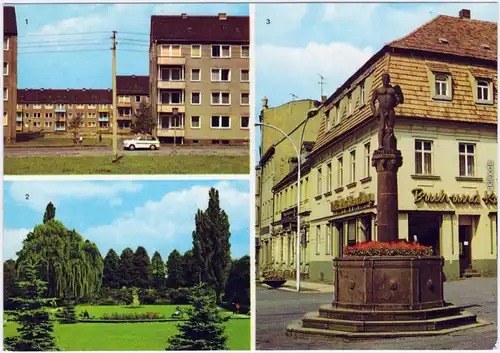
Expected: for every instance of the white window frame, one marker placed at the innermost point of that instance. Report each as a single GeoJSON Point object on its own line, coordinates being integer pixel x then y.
{"type": "Point", "coordinates": [199, 122]}
{"type": "Point", "coordinates": [191, 98]}
{"type": "Point", "coordinates": [328, 122]}
{"type": "Point", "coordinates": [169, 78]}
{"type": "Point", "coordinates": [466, 154]}
{"type": "Point", "coordinates": [241, 51]}
{"type": "Point", "coordinates": [220, 98]}
{"type": "Point", "coordinates": [70, 106]}
{"type": "Point", "coordinates": [484, 88]}
{"type": "Point", "coordinates": [318, 239]}
{"type": "Point", "coordinates": [220, 51]}
{"type": "Point", "coordinates": [220, 122]}
{"type": "Point", "coordinates": [219, 71]}
{"type": "Point", "coordinates": [6, 40]}
{"type": "Point", "coordinates": [241, 122]}
{"type": "Point", "coordinates": [5, 93]}
{"type": "Point", "coordinates": [199, 75]}
{"type": "Point", "coordinates": [350, 107]}
{"type": "Point", "coordinates": [340, 171]}
{"type": "Point", "coordinates": [241, 98]}
{"type": "Point", "coordinates": [6, 66]}
{"type": "Point", "coordinates": [91, 106]}
{"type": "Point", "coordinates": [362, 93]}
{"type": "Point", "coordinates": [139, 101]}
{"type": "Point", "coordinates": [319, 181]}
{"type": "Point", "coordinates": [352, 160]}
{"type": "Point", "coordinates": [337, 115]}
{"type": "Point", "coordinates": [367, 149]}
{"type": "Point", "coordinates": [424, 152]}
{"type": "Point", "coordinates": [49, 106]}
{"type": "Point", "coordinates": [164, 46]}
{"type": "Point", "coordinates": [329, 177]}
{"type": "Point", "coordinates": [439, 82]}
{"type": "Point", "coordinates": [241, 75]}
{"type": "Point", "coordinates": [5, 118]}
{"type": "Point", "coordinates": [328, 243]}
{"type": "Point", "coordinates": [196, 45]}
{"type": "Point", "coordinates": [169, 93]}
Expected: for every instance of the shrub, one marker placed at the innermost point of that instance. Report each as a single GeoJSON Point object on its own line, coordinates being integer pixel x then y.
{"type": "Point", "coordinates": [107, 301]}
{"type": "Point", "coordinates": [375, 248]}
{"type": "Point", "coordinates": [132, 316]}
{"type": "Point", "coordinates": [148, 296]}
{"type": "Point", "coordinates": [274, 276]}
{"type": "Point", "coordinates": [179, 296]}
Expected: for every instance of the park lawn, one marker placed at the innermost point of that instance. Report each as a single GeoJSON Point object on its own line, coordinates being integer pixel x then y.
{"type": "Point", "coordinates": [178, 164]}
{"type": "Point", "coordinates": [60, 142]}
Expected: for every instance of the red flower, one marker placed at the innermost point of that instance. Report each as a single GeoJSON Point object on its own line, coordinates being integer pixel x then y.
{"type": "Point", "coordinates": [400, 248]}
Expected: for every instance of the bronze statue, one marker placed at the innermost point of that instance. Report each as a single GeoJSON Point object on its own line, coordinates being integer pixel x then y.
{"type": "Point", "coordinates": [388, 98]}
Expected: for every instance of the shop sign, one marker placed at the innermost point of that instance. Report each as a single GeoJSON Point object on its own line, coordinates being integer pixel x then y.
{"type": "Point", "coordinates": [289, 216]}
{"type": "Point", "coordinates": [490, 175]}
{"type": "Point", "coordinates": [440, 197]}
{"type": "Point", "coordinates": [346, 204]}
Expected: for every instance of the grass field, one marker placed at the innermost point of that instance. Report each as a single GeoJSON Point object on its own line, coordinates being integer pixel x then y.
{"type": "Point", "coordinates": [60, 142]}
{"type": "Point", "coordinates": [131, 336]}
{"type": "Point", "coordinates": [177, 164]}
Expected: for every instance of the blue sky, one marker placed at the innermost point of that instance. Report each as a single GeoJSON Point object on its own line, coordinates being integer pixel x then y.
{"type": "Point", "coordinates": [44, 28]}
{"type": "Point", "coordinates": [158, 215]}
{"type": "Point", "coordinates": [334, 40]}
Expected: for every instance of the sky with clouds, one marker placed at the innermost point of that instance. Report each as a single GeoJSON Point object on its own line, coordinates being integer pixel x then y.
{"type": "Point", "coordinates": [296, 42]}
{"type": "Point", "coordinates": [158, 215]}
{"type": "Point", "coordinates": [67, 45]}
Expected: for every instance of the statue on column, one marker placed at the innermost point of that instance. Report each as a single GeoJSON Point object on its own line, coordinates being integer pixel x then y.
{"type": "Point", "coordinates": [388, 98]}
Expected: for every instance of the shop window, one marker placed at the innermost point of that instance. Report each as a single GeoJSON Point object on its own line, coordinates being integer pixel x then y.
{"type": "Point", "coordinates": [351, 232]}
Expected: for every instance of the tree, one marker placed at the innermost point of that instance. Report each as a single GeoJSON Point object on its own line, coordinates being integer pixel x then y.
{"type": "Point", "coordinates": [238, 283]}
{"type": "Point", "coordinates": [158, 271]}
{"type": "Point", "coordinates": [142, 268]}
{"type": "Point", "coordinates": [50, 213]}
{"type": "Point", "coordinates": [174, 270]}
{"type": "Point", "coordinates": [75, 125]}
{"type": "Point", "coordinates": [204, 328]}
{"type": "Point", "coordinates": [69, 315]}
{"type": "Point", "coordinates": [211, 245]}
{"type": "Point", "coordinates": [111, 272]}
{"type": "Point", "coordinates": [10, 289]}
{"type": "Point", "coordinates": [143, 122]}
{"type": "Point", "coordinates": [191, 271]}
{"type": "Point", "coordinates": [71, 266]}
{"type": "Point", "coordinates": [127, 268]}
{"type": "Point", "coordinates": [35, 331]}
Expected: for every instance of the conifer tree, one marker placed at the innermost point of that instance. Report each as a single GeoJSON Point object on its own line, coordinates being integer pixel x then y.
{"type": "Point", "coordinates": [158, 269]}
{"type": "Point", "coordinates": [35, 331]}
{"type": "Point", "coordinates": [204, 328]}
{"type": "Point", "coordinates": [174, 270]}
{"type": "Point", "coordinates": [111, 272]}
{"type": "Point", "coordinates": [69, 314]}
{"type": "Point", "coordinates": [127, 268]}
{"type": "Point", "coordinates": [142, 269]}
{"type": "Point", "coordinates": [50, 213]}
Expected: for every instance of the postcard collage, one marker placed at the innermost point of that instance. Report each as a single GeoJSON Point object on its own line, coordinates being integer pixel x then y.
{"type": "Point", "coordinates": [249, 176]}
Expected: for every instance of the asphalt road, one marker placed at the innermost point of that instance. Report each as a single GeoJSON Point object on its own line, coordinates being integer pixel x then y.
{"type": "Point", "coordinates": [277, 308]}
{"type": "Point", "coordinates": [100, 151]}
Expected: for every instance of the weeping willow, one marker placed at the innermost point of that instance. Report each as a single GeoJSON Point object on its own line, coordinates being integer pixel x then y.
{"type": "Point", "coordinates": [70, 265]}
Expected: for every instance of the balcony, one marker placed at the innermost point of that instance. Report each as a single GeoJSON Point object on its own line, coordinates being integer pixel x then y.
{"type": "Point", "coordinates": [103, 118]}
{"type": "Point", "coordinates": [172, 84]}
{"type": "Point", "coordinates": [104, 110]}
{"type": "Point", "coordinates": [19, 107]}
{"type": "Point", "coordinates": [169, 108]}
{"type": "Point", "coordinates": [60, 109]}
{"type": "Point", "coordinates": [123, 117]}
{"type": "Point", "coordinates": [179, 132]}
{"type": "Point", "coordinates": [124, 104]}
{"type": "Point", "coordinates": [19, 118]}
{"type": "Point", "coordinates": [171, 60]}
{"type": "Point", "coordinates": [61, 128]}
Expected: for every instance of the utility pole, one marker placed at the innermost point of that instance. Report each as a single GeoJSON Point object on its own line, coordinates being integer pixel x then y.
{"type": "Point", "coordinates": [321, 83]}
{"type": "Point", "coordinates": [114, 108]}
{"type": "Point", "coordinates": [293, 96]}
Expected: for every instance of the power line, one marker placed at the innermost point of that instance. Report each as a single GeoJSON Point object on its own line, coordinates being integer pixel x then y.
{"type": "Point", "coordinates": [62, 45]}
{"type": "Point", "coordinates": [134, 40]}
{"type": "Point", "coordinates": [140, 34]}
{"type": "Point", "coordinates": [63, 34]}
{"type": "Point", "coordinates": [134, 44]}
{"type": "Point", "coordinates": [56, 41]}
{"type": "Point", "coordinates": [63, 51]}
{"type": "Point", "coordinates": [139, 51]}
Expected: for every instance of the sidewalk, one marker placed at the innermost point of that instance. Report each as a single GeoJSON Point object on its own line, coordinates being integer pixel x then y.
{"type": "Point", "coordinates": [307, 287]}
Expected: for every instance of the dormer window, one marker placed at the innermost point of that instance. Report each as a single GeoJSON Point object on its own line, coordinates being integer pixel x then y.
{"type": "Point", "coordinates": [349, 104]}
{"type": "Point", "coordinates": [484, 91]}
{"type": "Point", "coordinates": [337, 115]}
{"type": "Point", "coordinates": [485, 46]}
{"type": "Point", "coordinates": [443, 41]}
{"type": "Point", "coordinates": [328, 122]}
{"type": "Point", "coordinates": [442, 86]}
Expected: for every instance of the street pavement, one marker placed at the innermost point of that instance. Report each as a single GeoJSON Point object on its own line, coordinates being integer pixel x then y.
{"type": "Point", "coordinates": [100, 151]}
{"type": "Point", "coordinates": [277, 308]}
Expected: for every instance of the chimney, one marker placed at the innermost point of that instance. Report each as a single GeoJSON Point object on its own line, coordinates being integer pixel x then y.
{"type": "Point", "coordinates": [133, 76]}
{"type": "Point", "coordinates": [222, 16]}
{"type": "Point", "coordinates": [184, 16]}
{"type": "Point", "coordinates": [464, 14]}
{"type": "Point", "coordinates": [41, 89]}
{"type": "Point", "coordinates": [323, 99]}
{"type": "Point", "coordinates": [264, 102]}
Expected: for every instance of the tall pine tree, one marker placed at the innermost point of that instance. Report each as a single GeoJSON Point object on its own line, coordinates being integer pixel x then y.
{"type": "Point", "coordinates": [158, 270]}
{"type": "Point", "coordinates": [35, 331]}
{"type": "Point", "coordinates": [127, 268]}
{"type": "Point", "coordinates": [211, 245]}
{"type": "Point", "coordinates": [111, 272]}
{"type": "Point", "coordinates": [190, 267]}
{"type": "Point", "coordinates": [142, 267]}
{"type": "Point", "coordinates": [10, 289]}
{"type": "Point", "coordinates": [204, 328]}
{"type": "Point", "coordinates": [50, 213]}
{"type": "Point", "coordinates": [174, 270]}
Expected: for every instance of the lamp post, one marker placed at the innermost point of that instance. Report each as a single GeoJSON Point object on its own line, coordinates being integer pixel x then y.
{"type": "Point", "coordinates": [175, 116]}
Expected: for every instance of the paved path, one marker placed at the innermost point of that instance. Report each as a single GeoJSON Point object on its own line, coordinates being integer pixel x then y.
{"type": "Point", "coordinates": [277, 308]}
{"type": "Point", "coordinates": [100, 151]}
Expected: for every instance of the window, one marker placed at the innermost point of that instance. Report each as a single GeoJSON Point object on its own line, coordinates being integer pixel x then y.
{"type": "Point", "coordinates": [351, 232]}
{"type": "Point", "coordinates": [466, 152]}
{"type": "Point", "coordinates": [423, 157]}
{"type": "Point", "coordinates": [170, 50]}
{"type": "Point", "coordinates": [5, 69]}
{"type": "Point", "coordinates": [5, 43]}
{"type": "Point", "coordinates": [92, 106]}
{"type": "Point", "coordinates": [92, 124]}
{"type": "Point", "coordinates": [70, 115]}
{"type": "Point", "coordinates": [221, 75]}
{"type": "Point", "coordinates": [195, 122]}
{"type": "Point", "coordinates": [442, 86]}
{"type": "Point", "coordinates": [70, 106]}
{"type": "Point", "coordinates": [5, 119]}
{"type": "Point", "coordinates": [80, 106]}
{"type": "Point", "coordinates": [245, 75]}
{"type": "Point", "coordinates": [349, 104]}
{"type": "Point", "coordinates": [195, 75]}
{"type": "Point", "coordinates": [172, 97]}
{"type": "Point", "coordinates": [328, 177]}
{"type": "Point", "coordinates": [353, 166]}
{"type": "Point", "coordinates": [221, 51]}
{"type": "Point", "coordinates": [362, 93]}
{"type": "Point", "coordinates": [245, 51]}
{"type": "Point", "coordinates": [328, 239]}
{"type": "Point", "coordinates": [171, 74]}
{"type": "Point", "coordinates": [221, 98]}
{"type": "Point", "coordinates": [220, 122]}
{"type": "Point", "coordinates": [37, 106]}
{"type": "Point", "coordinates": [196, 51]}
{"type": "Point", "coordinates": [319, 182]}
{"type": "Point", "coordinates": [245, 98]}
{"type": "Point", "coordinates": [245, 120]}
{"type": "Point", "coordinates": [5, 94]}
{"type": "Point", "coordinates": [195, 98]}
{"type": "Point", "coordinates": [337, 115]}
{"type": "Point", "coordinates": [93, 115]}
{"type": "Point", "coordinates": [483, 91]}
{"type": "Point", "coordinates": [103, 106]}
{"type": "Point", "coordinates": [367, 160]}
{"type": "Point", "coordinates": [340, 171]}
{"type": "Point", "coordinates": [137, 99]}
{"type": "Point", "coordinates": [48, 115]}
{"type": "Point", "coordinates": [318, 239]}
{"type": "Point", "coordinates": [49, 106]}
{"type": "Point", "coordinates": [328, 123]}
{"type": "Point", "coordinates": [27, 106]}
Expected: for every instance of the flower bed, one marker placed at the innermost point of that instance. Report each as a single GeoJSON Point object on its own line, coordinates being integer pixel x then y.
{"type": "Point", "coordinates": [132, 316]}
{"type": "Point", "coordinates": [375, 248]}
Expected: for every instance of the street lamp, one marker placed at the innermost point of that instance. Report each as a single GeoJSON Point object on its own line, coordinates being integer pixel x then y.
{"type": "Point", "coordinates": [311, 113]}
{"type": "Point", "coordinates": [175, 116]}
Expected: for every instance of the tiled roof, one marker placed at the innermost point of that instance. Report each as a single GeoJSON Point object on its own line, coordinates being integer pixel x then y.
{"type": "Point", "coordinates": [200, 29]}
{"type": "Point", "coordinates": [453, 35]}
{"type": "Point", "coordinates": [61, 96]}
{"type": "Point", "coordinates": [9, 21]}
{"type": "Point", "coordinates": [132, 85]}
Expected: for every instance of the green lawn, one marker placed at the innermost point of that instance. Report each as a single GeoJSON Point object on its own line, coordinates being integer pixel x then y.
{"type": "Point", "coordinates": [146, 164]}
{"type": "Point", "coordinates": [131, 336]}
{"type": "Point", "coordinates": [61, 142]}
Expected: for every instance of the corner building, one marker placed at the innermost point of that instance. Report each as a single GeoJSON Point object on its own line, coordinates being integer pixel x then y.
{"type": "Point", "coordinates": [199, 78]}
{"type": "Point", "coordinates": [9, 74]}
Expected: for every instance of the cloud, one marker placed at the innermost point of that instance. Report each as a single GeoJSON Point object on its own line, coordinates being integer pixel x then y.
{"type": "Point", "coordinates": [13, 241]}
{"type": "Point", "coordinates": [171, 218]}
{"type": "Point", "coordinates": [36, 194]}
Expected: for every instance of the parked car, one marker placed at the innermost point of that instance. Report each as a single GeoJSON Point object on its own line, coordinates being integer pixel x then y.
{"type": "Point", "coordinates": [142, 142]}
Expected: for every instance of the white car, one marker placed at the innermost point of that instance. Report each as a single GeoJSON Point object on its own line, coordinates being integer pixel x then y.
{"type": "Point", "coordinates": [142, 142]}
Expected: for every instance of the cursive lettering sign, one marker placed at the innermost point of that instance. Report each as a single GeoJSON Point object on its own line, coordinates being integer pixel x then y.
{"type": "Point", "coordinates": [442, 197]}
{"type": "Point", "coordinates": [349, 202]}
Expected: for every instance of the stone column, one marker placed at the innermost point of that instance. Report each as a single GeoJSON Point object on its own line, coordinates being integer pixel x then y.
{"type": "Point", "coordinates": [387, 163]}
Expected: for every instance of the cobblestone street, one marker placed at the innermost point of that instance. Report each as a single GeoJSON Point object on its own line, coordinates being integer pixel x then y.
{"type": "Point", "coordinates": [277, 308]}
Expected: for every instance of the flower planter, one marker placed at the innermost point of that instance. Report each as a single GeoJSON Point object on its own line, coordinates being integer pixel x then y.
{"type": "Point", "coordinates": [275, 283]}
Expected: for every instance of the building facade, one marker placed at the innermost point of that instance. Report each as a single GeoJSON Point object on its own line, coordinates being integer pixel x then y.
{"type": "Point", "coordinates": [199, 78]}
{"type": "Point", "coordinates": [132, 92]}
{"type": "Point", "coordinates": [9, 74]}
{"type": "Point", "coordinates": [447, 133]}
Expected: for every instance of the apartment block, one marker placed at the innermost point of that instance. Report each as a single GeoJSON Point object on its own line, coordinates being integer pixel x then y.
{"type": "Point", "coordinates": [132, 91]}
{"type": "Point", "coordinates": [9, 74]}
{"type": "Point", "coordinates": [50, 110]}
{"type": "Point", "coordinates": [199, 78]}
